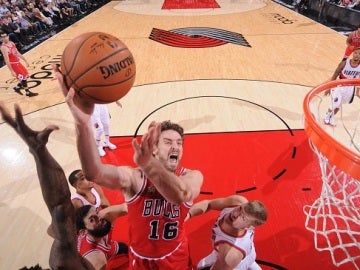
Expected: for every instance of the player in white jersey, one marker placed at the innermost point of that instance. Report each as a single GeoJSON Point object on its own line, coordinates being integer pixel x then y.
{"type": "Point", "coordinates": [87, 192]}
{"type": "Point", "coordinates": [347, 69]}
{"type": "Point", "coordinates": [232, 233]}
{"type": "Point", "coordinates": [100, 120]}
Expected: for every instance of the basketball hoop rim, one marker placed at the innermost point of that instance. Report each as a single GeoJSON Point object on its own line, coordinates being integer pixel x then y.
{"type": "Point", "coordinates": [337, 154]}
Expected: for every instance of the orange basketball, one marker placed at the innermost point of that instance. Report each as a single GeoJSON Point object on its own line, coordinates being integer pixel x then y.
{"type": "Point", "coordinates": [99, 66]}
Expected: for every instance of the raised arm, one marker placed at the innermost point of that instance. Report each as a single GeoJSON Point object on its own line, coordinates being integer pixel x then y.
{"type": "Point", "coordinates": [55, 191]}
{"type": "Point", "coordinates": [114, 211]}
{"type": "Point", "coordinates": [104, 174]}
{"type": "Point", "coordinates": [219, 204]}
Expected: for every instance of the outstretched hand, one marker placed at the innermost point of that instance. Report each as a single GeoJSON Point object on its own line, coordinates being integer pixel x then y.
{"type": "Point", "coordinates": [34, 139]}
{"type": "Point", "coordinates": [80, 108]}
{"type": "Point", "coordinates": [143, 152]}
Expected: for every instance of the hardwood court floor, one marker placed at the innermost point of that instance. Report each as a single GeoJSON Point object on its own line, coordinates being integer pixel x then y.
{"type": "Point", "coordinates": [284, 62]}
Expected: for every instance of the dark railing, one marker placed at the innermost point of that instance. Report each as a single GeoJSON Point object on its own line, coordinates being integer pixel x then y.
{"type": "Point", "coordinates": [337, 15]}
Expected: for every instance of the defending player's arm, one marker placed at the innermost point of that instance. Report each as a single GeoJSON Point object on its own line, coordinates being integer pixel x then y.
{"type": "Point", "coordinates": [219, 204]}
{"type": "Point", "coordinates": [114, 211]}
{"type": "Point", "coordinates": [55, 191]}
{"type": "Point", "coordinates": [338, 70]}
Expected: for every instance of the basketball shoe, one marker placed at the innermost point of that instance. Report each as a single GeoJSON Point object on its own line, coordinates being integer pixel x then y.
{"type": "Point", "coordinates": [17, 90]}
{"type": "Point", "coordinates": [110, 145]}
{"type": "Point", "coordinates": [31, 94]}
{"type": "Point", "coordinates": [329, 119]}
{"type": "Point", "coordinates": [101, 151]}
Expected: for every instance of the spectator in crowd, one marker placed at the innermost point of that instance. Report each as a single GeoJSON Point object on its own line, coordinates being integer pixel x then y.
{"type": "Point", "coordinates": [30, 28]}
{"type": "Point", "coordinates": [66, 9]}
{"type": "Point", "coordinates": [39, 16]}
{"type": "Point", "coordinates": [13, 31]}
{"type": "Point", "coordinates": [322, 11]}
{"type": "Point", "coordinates": [50, 13]}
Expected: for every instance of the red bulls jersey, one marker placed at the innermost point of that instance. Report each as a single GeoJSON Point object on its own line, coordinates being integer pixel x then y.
{"type": "Point", "coordinates": [156, 226]}
{"type": "Point", "coordinates": [13, 55]}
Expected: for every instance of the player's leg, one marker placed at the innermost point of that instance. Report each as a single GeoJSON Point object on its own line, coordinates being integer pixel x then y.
{"type": "Point", "coordinates": [23, 76]}
{"type": "Point", "coordinates": [105, 120]}
{"type": "Point", "coordinates": [336, 101]}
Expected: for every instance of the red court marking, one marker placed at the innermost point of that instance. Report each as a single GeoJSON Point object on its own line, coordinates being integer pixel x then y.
{"type": "Point", "coordinates": [238, 161]}
{"type": "Point", "coordinates": [183, 41]}
{"type": "Point", "coordinates": [189, 4]}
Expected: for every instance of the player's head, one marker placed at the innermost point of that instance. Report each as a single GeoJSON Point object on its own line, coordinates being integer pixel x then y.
{"type": "Point", "coordinates": [88, 220]}
{"type": "Point", "coordinates": [74, 177]}
{"type": "Point", "coordinates": [169, 148]}
{"type": "Point", "coordinates": [247, 215]}
{"type": "Point", "coordinates": [77, 180]}
{"type": "Point", "coordinates": [168, 125]}
{"type": "Point", "coordinates": [356, 54]}
{"type": "Point", "coordinates": [4, 37]}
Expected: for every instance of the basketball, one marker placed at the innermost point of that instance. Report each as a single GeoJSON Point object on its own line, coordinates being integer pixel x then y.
{"type": "Point", "coordinates": [99, 67]}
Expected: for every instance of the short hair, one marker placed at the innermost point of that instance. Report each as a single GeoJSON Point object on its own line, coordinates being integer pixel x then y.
{"type": "Point", "coordinates": [73, 178]}
{"type": "Point", "coordinates": [168, 125]}
{"type": "Point", "coordinates": [80, 215]}
{"type": "Point", "coordinates": [257, 210]}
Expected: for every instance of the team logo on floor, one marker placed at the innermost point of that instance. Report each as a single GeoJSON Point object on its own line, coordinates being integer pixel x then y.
{"type": "Point", "coordinates": [197, 37]}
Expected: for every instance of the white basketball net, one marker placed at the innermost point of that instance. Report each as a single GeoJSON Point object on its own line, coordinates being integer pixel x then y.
{"type": "Point", "coordinates": [334, 218]}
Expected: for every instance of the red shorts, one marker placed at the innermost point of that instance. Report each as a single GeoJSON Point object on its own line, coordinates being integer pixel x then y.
{"type": "Point", "coordinates": [20, 71]}
{"type": "Point", "coordinates": [118, 262]}
{"type": "Point", "coordinates": [178, 260]}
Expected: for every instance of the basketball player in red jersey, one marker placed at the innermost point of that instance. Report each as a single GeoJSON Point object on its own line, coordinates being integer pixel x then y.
{"type": "Point", "coordinates": [158, 192]}
{"type": "Point", "coordinates": [95, 241]}
{"type": "Point", "coordinates": [352, 42]}
{"type": "Point", "coordinates": [12, 59]}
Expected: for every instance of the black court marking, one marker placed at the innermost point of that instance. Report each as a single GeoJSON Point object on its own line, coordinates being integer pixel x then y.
{"type": "Point", "coordinates": [272, 265]}
{"type": "Point", "coordinates": [278, 175]}
{"type": "Point", "coordinates": [206, 192]}
{"type": "Point", "coordinates": [245, 190]}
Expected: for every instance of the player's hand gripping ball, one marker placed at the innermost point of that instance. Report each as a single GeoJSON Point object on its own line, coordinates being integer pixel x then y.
{"type": "Point", "coordinates": [99, 66]}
